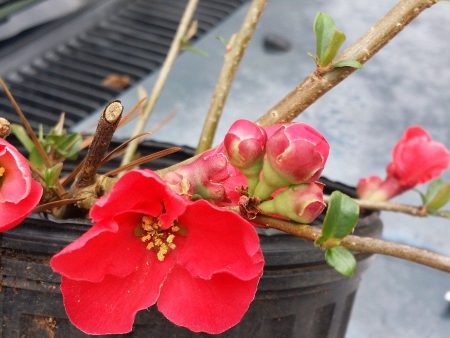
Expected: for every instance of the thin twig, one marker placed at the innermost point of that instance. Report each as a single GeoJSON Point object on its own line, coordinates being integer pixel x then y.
{"type": "Point", "coordinates": [316, 85]}
{"type": "Point", "coordinates": [232, 59]}
{"type": "Point", "coordinates": [40, 149]}
{"type": "Point", "coordinates": [414, 210]}
{"type": "Point", "coordinates": [56, 204]}
{"type": "Point", "coordinates": [175, 47]}
{"type": "Point", "coordinates": [143, 160]}
{"type": "Point", "coordinates": [363, 244]}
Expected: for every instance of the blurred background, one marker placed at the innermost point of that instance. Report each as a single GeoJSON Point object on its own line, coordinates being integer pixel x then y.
{"type": "Point", "coordinates": [59, 55]}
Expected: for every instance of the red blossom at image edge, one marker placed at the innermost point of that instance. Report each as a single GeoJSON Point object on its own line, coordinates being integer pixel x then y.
{"type": "Point", "coordinates": [416, 159]}
{"type": "Point", "coordinates": [205, 281]}
{"type": "Point", "coordinates": [19, 192]}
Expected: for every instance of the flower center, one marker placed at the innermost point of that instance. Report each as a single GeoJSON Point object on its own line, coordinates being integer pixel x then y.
{"type": "Point", "coordinates": [155, 238]}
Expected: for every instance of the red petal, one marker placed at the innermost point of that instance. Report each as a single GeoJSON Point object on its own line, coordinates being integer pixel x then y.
{"type": "Point", "coordinates": [139, 191]}
{"type": "Point", "coordinates": [211, 306]}
{"type": "Point", "coordinates": [17, 177]}
{"type": "Point", "coordinates": [12, 214]}
{"type": "Point", "coordinates": [106, 248]}
{"type": "Point", "coordinates": [111, 305]}
{"type": "Point", "coordinates": [218, 240]}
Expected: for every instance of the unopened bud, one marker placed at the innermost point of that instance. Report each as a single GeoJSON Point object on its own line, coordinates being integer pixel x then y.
{"type": "Point", "coordinates": [244, 146]}
{"type": "Point", "coordinates": [301, 203]}
{"type": "Point", "coordinates": [295, 153]}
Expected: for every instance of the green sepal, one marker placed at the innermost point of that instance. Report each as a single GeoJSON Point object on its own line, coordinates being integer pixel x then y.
{"type": "Point", "coordinates": [341, 217]}
{"type": "Point", "coordinates": [341, 259]}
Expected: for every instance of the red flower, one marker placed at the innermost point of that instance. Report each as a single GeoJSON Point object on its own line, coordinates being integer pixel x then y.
{"type": "Point", "coordinates": [199, 263]}
{"type": "Point", "coordinates": [416, 159]}
{"type": "Point", "coordinates": [19, 193]}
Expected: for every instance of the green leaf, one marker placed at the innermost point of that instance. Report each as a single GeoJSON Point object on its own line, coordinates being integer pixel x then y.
{"type": "Point", "coordinates": [36, 160]}
{"type": "Point", "coordinates": [433, 188]}
{"type": "Point", "coordinates": [341, 260]}
{"type": "Point", "coordinates": [341, 217]}
{"type": "Point", "coordinates": [58, 129]}
{"type": "Point", "coordinates": [324, 28]}
{"type": "Point", "coordinates": [328, 39]}
{"type": "Point", "coordinates": [23, 137]}
{"type": "Point", "coordinates": [348, 63]}
{"type": "Point", "coordinates": [337, 40]}
{"type": "Point", "coordinates": [51, 175]}
{"type": "Point", "coordinates": [69, 145]}
{"type": "Point", "coordinates": [440, 198]}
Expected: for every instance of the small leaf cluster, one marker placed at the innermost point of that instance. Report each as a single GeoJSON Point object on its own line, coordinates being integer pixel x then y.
{"type": "Point", "coordinates": [58, 143]}
{"type": "Point", "coordinates": [328, 42]}
{"type": "Point", "coordinates": [340, 221]}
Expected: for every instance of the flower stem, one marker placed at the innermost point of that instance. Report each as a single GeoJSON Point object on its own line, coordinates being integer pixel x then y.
{"type": "Point", "coordinates": [315, 85]}
{"type": "Point", "coordinates": [363, 244]}
{"type": "Point", "coordinates": [231, 63]}
{"type": "Point", "coordinates": [175, 47]}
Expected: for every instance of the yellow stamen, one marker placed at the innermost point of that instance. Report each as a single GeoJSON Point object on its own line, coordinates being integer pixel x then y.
{"type": "Point", "coordinates": [155, 238]}
{"type": "Point", "coordinates": [2, 171]}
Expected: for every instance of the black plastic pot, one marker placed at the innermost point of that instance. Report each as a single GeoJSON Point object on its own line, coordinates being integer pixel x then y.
{"type": "Point", "coordinates": [298, 295]}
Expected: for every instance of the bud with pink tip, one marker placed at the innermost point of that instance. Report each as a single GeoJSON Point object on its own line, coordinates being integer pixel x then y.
{"type": "Point", "coordinates": [244, 146]}
{"type": "Point", "coordinates": [295, 153]}
{"type": "Point", "coordinates": [205, 178]}
{"type": "Point", "coordinates": [301, 203]}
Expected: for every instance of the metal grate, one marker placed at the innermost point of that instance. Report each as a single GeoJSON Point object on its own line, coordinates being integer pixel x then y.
{"type": "Point", "coordinates": [132, 41]}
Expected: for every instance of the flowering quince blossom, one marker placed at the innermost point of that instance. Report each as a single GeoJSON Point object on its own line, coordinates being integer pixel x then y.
{"type": "Point", "coordinates": [19, 192]}
{"type": "Point", "coordinates": [198, 263]}
{"type": "Point", "coordinates": [416, 159]}
{"type": "Point", "coordinates": [295, 153]}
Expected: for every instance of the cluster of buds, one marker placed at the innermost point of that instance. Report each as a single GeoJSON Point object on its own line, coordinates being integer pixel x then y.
{"type": "Point", "coordinates": [282, 165]}
{"type": "Point", "coordinates": [416, 159]}
{"type": "Point", "coordinates": [209, 177]}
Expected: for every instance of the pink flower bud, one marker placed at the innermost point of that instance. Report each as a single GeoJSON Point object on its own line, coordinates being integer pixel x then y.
{"type": "Point", "coordinates": [301, 203]}
{"type": "Point", "coordinates": [295, 153]}
{"type": "Point", "coordinates": [210, 176]}
{"type": "Point", "coordinates": [19, 192]}
{"type": "Point", "coordinates": [245, 143]}
{"type": "Point", "coordinates": [416, 159]}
